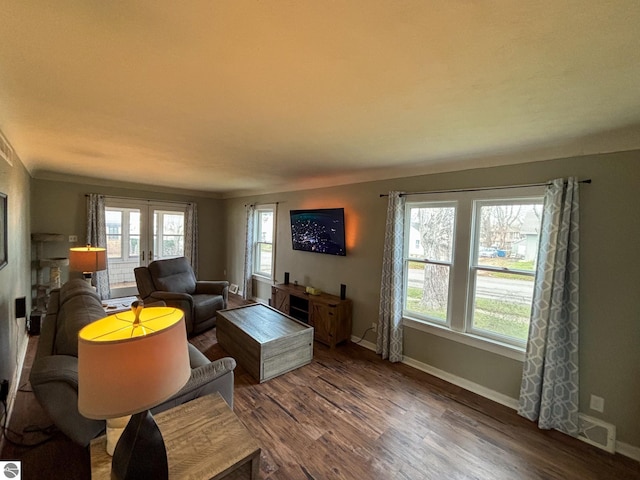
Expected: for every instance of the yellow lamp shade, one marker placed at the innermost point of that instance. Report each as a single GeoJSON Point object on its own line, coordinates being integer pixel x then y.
{"type": "Point", "coordinates": [87, 259]}
{"type": "Point", "coordinates": [127, 366]}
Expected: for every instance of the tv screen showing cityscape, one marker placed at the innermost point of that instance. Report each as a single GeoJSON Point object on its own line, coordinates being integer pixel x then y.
{"type": "Point", "coordinates": [320, 230]}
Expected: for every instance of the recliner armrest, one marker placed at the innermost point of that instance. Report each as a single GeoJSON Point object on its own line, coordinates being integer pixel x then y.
{"type": "Point", "coordinates": [54, 380]}
{"type": "Point", "coordinates": [215, 377]}
{"type": "Point", "coordinates": [212, 287]}
{"type": "Point", "coordinates": [55, 368]}
{"type": "Point", "coordinates": [172, 299]}
{"type": "Point", "coordinates": [208, 373]}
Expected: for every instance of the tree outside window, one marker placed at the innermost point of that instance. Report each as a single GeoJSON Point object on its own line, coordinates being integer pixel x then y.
{"type": "Point", "coordinates": [490, 247]}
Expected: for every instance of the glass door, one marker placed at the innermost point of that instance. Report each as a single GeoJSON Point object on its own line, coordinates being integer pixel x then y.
{"type": "Point", "coordinates": [139, 232]}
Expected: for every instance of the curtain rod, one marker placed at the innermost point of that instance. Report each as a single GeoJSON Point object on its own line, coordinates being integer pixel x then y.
{"type": "Point", "coordinates": [479, 189]}
{"type": "Point", "coordinates": [262, 203]}
{"type": "Point", "coordinates": [142, 199]}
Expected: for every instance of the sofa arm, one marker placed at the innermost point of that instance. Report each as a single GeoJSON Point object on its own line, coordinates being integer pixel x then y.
{"type": "Point", "coordinates": [217, 376]}
{"type": "Point", "coordinates": [54, 380]}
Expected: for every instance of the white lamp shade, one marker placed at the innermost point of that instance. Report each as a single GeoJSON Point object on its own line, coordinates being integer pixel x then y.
{"type": "Point", "coordinates": [87, 259]}
{"type": "Point", "coordinates": [125, 368]}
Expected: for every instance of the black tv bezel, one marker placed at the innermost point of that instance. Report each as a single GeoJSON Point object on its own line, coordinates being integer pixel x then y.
{"type": "Point", "coordinates": [320, 211]}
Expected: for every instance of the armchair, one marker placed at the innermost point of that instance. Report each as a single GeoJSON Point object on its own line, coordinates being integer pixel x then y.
{"type": "Point", "coordinates": [54, 373]}
{"type": "Point", "coordinates": [173, 282]}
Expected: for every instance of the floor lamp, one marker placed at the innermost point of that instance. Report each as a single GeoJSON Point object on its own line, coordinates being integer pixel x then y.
{"type": "Point", "coordinates": [127, 364]}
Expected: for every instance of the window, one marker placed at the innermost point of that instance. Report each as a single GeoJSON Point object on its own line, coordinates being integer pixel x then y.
{"type": "Point", "coordinates": [428, 266]}
{"type": "Point", "coordinates": [168, 234]}
{"type": "Point", "coordinates": [470, 264]}
{"type": "Point", "coordinates": [263, 240]}
{"type": "Point", "coordinates": [505, 249]}
{"type": "Point", "coordinates": [123, 233]}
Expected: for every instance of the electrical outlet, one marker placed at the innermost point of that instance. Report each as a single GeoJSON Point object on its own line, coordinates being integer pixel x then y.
{"type": "Point", "coordinates": [596, 403]}
{"type": "Point", "coordinates": [4, 391]}
{"type": "Point", "coordinates": [73, 238]}
{"type": "Point", "coordinates": [374, 326]}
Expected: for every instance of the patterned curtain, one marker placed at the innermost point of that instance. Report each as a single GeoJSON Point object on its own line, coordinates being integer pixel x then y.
{"type": "Point", "coordinates": [549, 390]}
{"type": "Point", "coordinates": [389, 342]}
{"type": "Point", "coordinates": [191, 236]}
{"type": "Point", "coordinates": [97, 237]}
{"type": "Point", "coordinates": [247, 293]}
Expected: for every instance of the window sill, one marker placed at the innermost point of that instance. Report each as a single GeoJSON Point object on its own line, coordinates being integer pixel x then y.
{"type": "Point", "coordinates": [262, 278]}
{"type": "Point", "coordinates": [481, 343]}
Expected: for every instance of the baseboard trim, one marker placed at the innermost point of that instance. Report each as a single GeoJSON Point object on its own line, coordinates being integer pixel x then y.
{"type": "Point", "coordinates": [13, 388]}
{"type": "Point", "coordinates": [627, 450]}
{"type": "Point", "coordinates": [622, 448]}
{"type": "Point", "coordinates": [455, 380]}
{"type": "Point", "coordinates": [463, 383]}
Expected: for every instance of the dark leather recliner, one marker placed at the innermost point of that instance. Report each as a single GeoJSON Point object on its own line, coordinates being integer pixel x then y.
{"type": "Point", "coordinates": [173, 282]}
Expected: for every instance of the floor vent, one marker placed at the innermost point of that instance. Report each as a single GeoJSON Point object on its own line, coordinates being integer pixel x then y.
{"type": "Point", "coordinates": [6, 152]}
{"type": "Point", "coordinates": [596, 432]}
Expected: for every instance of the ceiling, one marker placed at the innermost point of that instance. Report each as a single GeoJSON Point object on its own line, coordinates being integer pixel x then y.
{"type": "Point", "coordinates": [229, 97]}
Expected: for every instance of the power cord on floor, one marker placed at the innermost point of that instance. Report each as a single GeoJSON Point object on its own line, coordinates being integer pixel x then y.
{"type": "Point", "coordinates": [50, 431]}
{"type": "Point", "coordinates": [364, 334]}
{"type": "Point", "coordinates": [23, 388]}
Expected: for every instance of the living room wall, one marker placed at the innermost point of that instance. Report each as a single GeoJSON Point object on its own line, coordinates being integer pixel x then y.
{"type": "Point", "coordinates": [60, 207]}
{"type": "Point", "coordinates": [14, 277]}
{"type": "Point", "coordinates": [610, 312]}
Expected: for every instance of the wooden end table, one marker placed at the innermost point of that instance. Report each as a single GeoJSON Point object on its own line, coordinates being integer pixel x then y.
{"type": "Point", "coordinates": [204, 440]}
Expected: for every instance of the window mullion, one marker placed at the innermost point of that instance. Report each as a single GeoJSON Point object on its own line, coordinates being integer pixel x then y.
{"type": "Point", "coordinates": [460, 268]}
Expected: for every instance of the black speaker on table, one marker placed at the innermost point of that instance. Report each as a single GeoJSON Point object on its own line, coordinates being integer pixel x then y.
{"type": "Point", "coordinates": [343, 291]}
{"type": "Point", "coordinates": [286, 278]}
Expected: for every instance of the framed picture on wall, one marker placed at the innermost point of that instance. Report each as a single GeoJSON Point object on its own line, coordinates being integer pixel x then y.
{"type": "Point", "coordinates": [3, 230]}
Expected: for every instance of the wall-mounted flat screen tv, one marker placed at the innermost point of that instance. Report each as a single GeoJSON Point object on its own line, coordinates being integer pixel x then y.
{"type": "Point", "coordinates": [320, 230]}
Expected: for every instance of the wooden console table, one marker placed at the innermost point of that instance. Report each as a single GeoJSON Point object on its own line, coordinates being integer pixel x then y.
{"type": "Point", "coordinates": [327, 314]}
{"type": "Point", "coordinates": [204, 440]}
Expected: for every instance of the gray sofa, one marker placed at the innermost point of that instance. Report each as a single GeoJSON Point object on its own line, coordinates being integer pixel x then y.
{"type": "Point", "coordinates": [54, 373]}
{"type": "Point", "coordinates": [172, 281]}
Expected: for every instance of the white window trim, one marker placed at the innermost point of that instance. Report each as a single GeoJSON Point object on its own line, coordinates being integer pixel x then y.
{"type": "Point", "coordinates": [482, 343]}
{"type": "Point", "coordinates": [260, 276]}
{"type": "Point", "coordinates": [475, 266]}
{"type": "Point", "coordinates": [459, 294]}
{"type": "Point", "coordinates": [133, 203]}
{"type": "Point", "coordinates": [450, 264]}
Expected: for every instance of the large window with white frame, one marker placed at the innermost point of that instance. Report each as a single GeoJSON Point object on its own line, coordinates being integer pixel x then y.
{"type": "Point", "coordinates": [264, 251]}
{"type": "Point", "coordinates": [469, 264]}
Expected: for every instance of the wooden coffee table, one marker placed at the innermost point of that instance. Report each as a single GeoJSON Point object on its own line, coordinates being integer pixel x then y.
{"type": "Point", "coordinates": [204, 440]}
{"type": "Point", "coordinates": [266, 342]}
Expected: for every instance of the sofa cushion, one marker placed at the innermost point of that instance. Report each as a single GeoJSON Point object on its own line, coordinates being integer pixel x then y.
{"type": "Point", "coordinates": [79, 306]}
{"type": "Point", "coordinates": [173, 275]}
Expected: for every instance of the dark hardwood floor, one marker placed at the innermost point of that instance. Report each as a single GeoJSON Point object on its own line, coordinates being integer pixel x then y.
{"type": "Point", "coordinates": [350, 415]}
